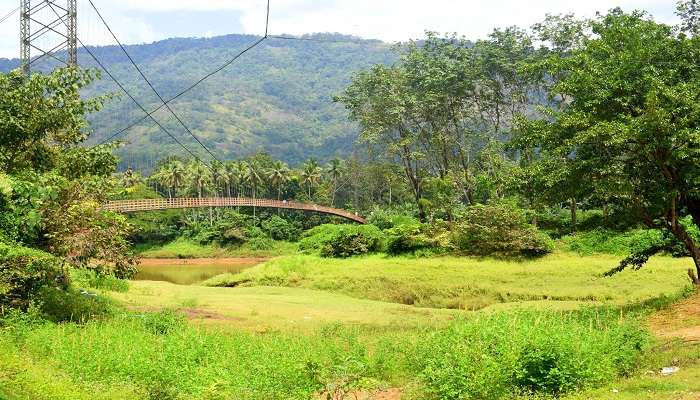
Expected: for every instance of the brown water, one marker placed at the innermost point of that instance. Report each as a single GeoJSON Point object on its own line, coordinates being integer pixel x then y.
{"type": "Point", "coordinates": [188, 272]}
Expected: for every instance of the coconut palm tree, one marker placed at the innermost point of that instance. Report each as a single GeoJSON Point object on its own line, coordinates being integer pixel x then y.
{"type": "Point", "coordinates": [335, 170]}
{"type": "Point", "coordinates": [218, 176]}
{"type": "Point", "coordinates": [254, 177]}
{"type": "Point", "coordinates": [131, 178]}
{"type": "Point", "coordinates": [199, 177]}
{"type": "Point", "coordinates": [311, 175]}
{"type": "Point", "coordinates": [278, 175]}
{"type": "Point", "coordinates": [172, 175]}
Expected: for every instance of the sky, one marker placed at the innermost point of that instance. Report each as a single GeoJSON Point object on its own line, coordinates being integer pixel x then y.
{"type": "Point", "coordinates": [145, 21]}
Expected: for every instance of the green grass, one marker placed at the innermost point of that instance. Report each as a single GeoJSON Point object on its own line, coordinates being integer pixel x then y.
{"type": "Point", "coordinates": [562, 279]}
{"type": "Point", "coordinates": [160, 356]}
{"type": "Point", "coordinates": [185, 248]}
{"type": "Point", "coordinates": [303, 325]}
{"type": "Point", "coordinates": [265, 309]}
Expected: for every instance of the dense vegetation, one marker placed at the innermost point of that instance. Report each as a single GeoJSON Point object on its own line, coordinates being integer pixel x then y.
{"type": "Point", "coordinates": [489, 172]}
{"type": "Point", "coordinates": [277, 97]}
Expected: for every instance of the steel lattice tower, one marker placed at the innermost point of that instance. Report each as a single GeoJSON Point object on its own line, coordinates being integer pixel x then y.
{"type": "Point", "coordinates": [54, 24]}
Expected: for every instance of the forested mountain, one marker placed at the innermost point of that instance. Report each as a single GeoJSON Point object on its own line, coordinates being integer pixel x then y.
{"type": "Point", "coordinates": [277, 97]}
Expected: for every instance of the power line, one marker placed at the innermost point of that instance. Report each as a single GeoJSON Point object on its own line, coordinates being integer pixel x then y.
{"type": "Point", "coordinates": [204, 78]}
{"type": "Point", "coordinates": [3, 19]}
{"type": "Point", "coordinates": [148, 82]}
{"type": "Point", "coordinates": [130, 96]}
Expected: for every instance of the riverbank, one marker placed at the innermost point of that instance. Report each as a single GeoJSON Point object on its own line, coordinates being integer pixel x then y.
{"type": "Point", "coordinates": [183, 248]}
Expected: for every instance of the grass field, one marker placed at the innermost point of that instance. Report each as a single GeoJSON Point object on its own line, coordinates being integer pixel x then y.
{"type": "Point", "coordinates": [563, 279]}
{"type": "Point", "coordinates": [398, 328]}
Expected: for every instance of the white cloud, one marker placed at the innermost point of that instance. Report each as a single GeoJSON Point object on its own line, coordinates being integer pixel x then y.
{"type": "Point", "coordinates": [389, 20]}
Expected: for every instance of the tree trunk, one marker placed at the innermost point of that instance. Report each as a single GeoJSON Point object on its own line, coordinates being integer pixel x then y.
{"type": "Point", "coordinates": [573, 206]}
{"type": "Point", "coordinates": [682, 234]}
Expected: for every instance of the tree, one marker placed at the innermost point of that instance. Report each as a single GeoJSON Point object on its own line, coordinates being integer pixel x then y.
{"type": "Point", "coordinates": [173, 176]}
{"type": "Point", "coordinates": [52, 187]}
{"type": "Point", "coordinates": [278, 175]}
{"type": "Point", "coordinates": [379, 101]}
{"type": "Point", "coordinates": [689, 11]}
{"type": "Point", "coordinates": [311, 175]}
{"type": "Point", "coordinates": [42, 114]}
{"type": "Point", "coordinates": [335, 170]}
{"type": "Point", "coordinates": [199, 177]}
{"type": "Point", "coordinates": [218, 176]}
{"type": "Point", "coordinates": [630, 126]}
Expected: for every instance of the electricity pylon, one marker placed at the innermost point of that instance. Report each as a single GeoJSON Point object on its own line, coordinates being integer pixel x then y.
{"type": "Point", "coordinates": [57, 27]}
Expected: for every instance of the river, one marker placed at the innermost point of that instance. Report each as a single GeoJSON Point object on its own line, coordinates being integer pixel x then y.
{"type": "Point", "coordinates": [191, 271]}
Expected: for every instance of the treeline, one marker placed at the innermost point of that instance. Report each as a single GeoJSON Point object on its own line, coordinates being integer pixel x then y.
{"type": "Point", "coordinates": [352, 184]}
{"type": "Point", "coordinates": [597, 113]}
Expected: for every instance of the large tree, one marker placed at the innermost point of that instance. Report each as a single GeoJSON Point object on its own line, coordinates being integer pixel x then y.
{"type": "Point", "coordinates": [630, 125]}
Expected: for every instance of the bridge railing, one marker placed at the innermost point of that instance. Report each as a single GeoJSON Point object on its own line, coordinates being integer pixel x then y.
{"type": "Point", "coordinates": [128, 206]}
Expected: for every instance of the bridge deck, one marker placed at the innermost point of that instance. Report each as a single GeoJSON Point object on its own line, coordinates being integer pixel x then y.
{"type": "Point", "coordinates": [129, 206]}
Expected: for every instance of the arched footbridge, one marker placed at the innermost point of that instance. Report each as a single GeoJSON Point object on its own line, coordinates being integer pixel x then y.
{"type": "Point", "coordinates": [130, 206]}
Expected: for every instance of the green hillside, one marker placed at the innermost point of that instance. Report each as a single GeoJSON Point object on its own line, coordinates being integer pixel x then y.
{"type": "Point", "coordinates": [277, 97]}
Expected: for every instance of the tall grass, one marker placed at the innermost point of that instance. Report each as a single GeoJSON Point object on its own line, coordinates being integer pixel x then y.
{"type": "Point", "coordinates": [161, 356]}
{"type": "Point", "coordinates": [470, 283]}
{"type": "Point", "coordinates": [502, 355]}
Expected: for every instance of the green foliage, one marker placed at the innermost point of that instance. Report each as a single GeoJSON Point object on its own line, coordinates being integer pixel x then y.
{"type": "Point", "coordinates": [613, 242]}
{"type": "Point", "coordinates": [499, 229]}
{"type": "Point", "coordinates": [386, 218]}
{"type": "Point", "coordinates": [419, 238]}
{"type": "Point", "coordinates": [163, 357]}
{"type": "Point", "coordinates": [280, 229]}
{"type": "Point", "coordinates": [33, 138]}
{"type": "Point", "coordinates": [622, 111]}
{"type": "Point", "coordinates": [163, 322]}
{"type": "Point", "coordinates": [342, 240]}
{"type": "Point", "coordinates": [501, 355]}
{"type": "Point", "coordinates": [292, 80]}
{"type": "Point", "coordinates": [72, 305]}
{"type": "Point", "coordinates": [25, 272]}
{"type": "Point", "coordinates": [88, 278]}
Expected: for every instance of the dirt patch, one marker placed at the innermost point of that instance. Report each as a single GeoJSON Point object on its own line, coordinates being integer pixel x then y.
{"type": "Point", "coordinates": [202, 261]}
{"type": "Point", "coordinates": [388, 394]}
{"type": "Point", "coordinates": [682, 320]}
{"type": "Point", "coordinates": [192, 314]}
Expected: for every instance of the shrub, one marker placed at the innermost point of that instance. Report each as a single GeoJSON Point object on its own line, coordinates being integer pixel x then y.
{"type": "Point", "coordinates": [163, 322]}
{"type": "Point", "coordinates": [71, 305]}
{"type": "Point", "coordinates": [342, 240]}
{"type": "Point", "coordinates": [500, 230]}
{"type": "Point", "coordinates": [88, 278]}
{"type": "Point", "coordinates": [612, 242]}
{"type": "Point", "coordinates": [506, 354]}
{"type": "Point", "coordinates": [387, 219]}
{"type": "Point", "coordinates": [280, 229]}
{"type": "Point", "coordinates": [25, 272]}
{"type": "Point", "coordinates": [418, 238]}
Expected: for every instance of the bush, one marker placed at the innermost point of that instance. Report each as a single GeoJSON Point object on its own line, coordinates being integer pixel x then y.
{"type": "Point", "coordinates": [163, 322]}
{"type": "Point", "coordinates": [280, 229]}
{"type": "Point", "coordinates": [25, 272]}
{"type": "Point", "coordinates": [507, 354]}
{"type": "Point", "coordinates": [387, 219]}
{"type": "Point", "coordinates": [612, 242]}
{"type": "Point", "coordinates": [418, 238]}
{"type": "Point", "coordinates": [88, 278]}
{"type": "Point", "coordinates": [71, 305]}
{"type": "Point", "coordinates": [342, 240]}
{"type": "Point", "coordinates": [500, 230]}
{"type": "Point", "coordinates": [629, 242]}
